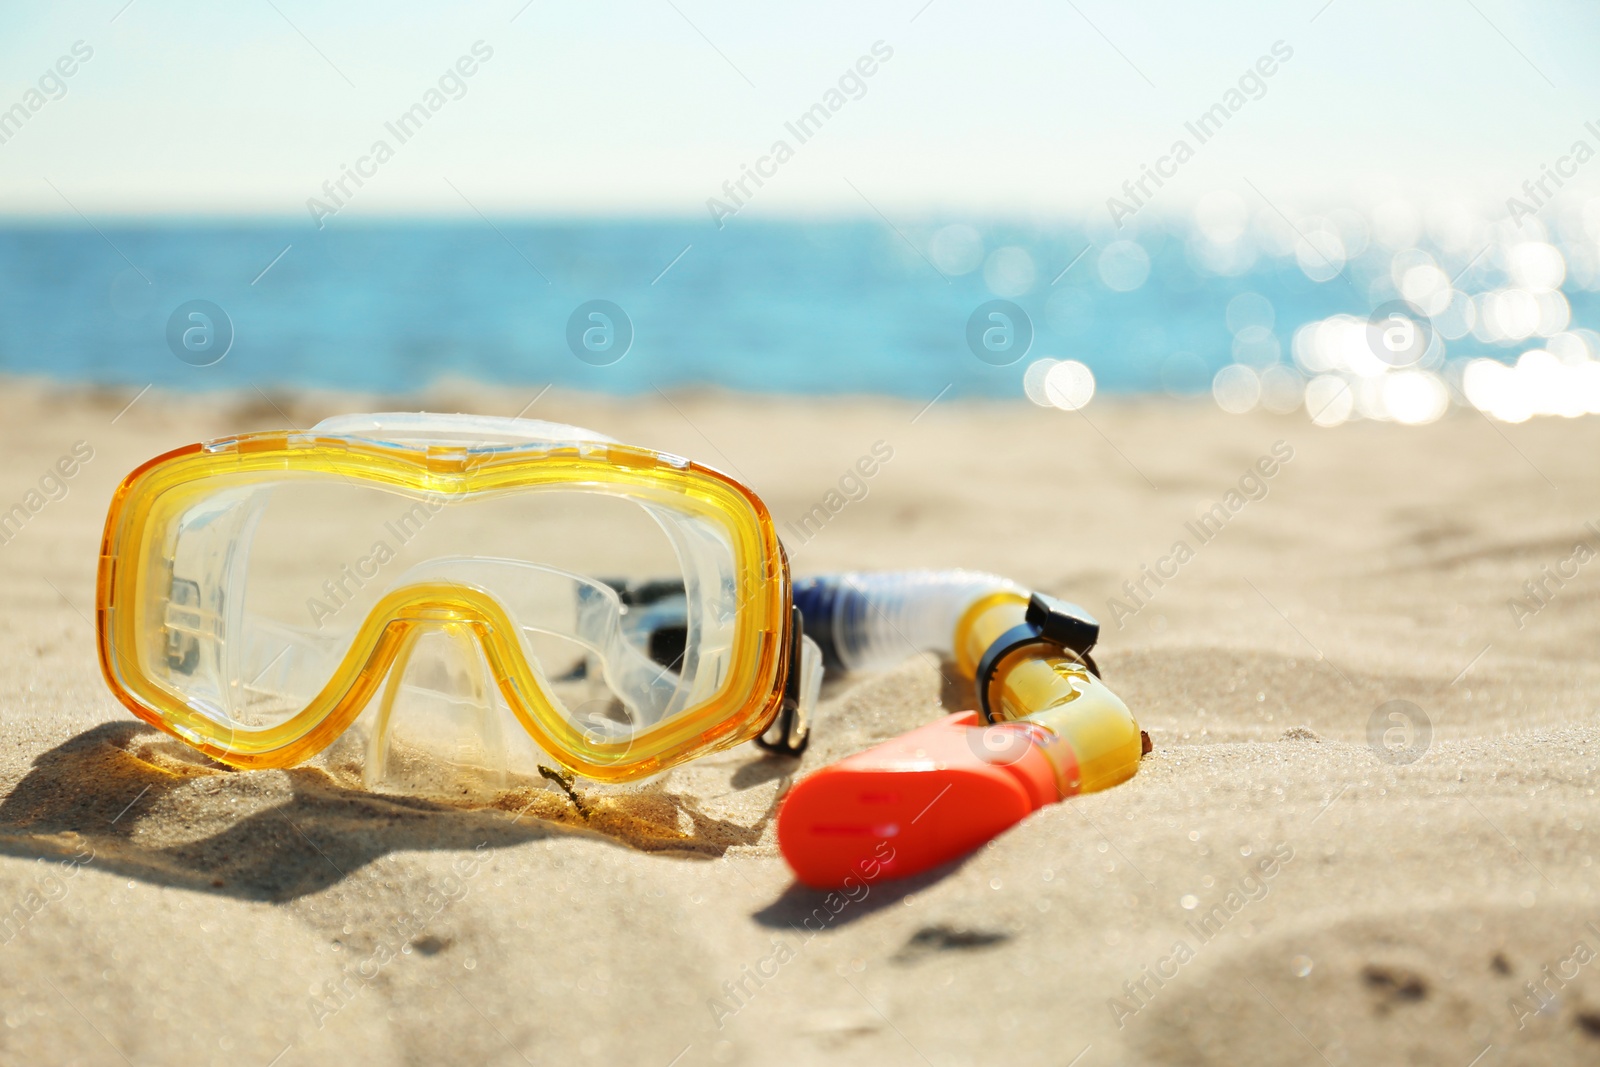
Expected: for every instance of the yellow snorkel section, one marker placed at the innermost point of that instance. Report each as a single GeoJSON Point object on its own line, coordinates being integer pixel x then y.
{"type": "Point", "coordinates": [1029, 659]}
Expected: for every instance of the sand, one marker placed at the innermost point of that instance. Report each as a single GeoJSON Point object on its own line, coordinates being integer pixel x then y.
{"type": "Point", "coordinates": [163, 910]}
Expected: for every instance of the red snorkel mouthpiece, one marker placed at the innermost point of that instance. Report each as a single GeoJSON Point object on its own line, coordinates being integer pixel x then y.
{"type": "Point", "coordinates": [921, 799]}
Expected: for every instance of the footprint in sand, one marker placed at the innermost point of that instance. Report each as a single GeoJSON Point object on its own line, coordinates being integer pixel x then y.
{"type": "Point", "coordinates": [1420, 989]}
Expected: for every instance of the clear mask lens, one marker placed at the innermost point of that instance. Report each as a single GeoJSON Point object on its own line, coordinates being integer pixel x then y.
{"type": "Point", "coordinates": [624, 609]}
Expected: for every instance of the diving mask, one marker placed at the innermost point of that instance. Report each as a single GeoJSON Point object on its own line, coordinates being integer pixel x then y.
{"type": "Point", "coordinates": [401, 593]}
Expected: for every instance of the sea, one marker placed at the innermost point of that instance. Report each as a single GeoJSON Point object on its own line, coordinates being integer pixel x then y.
{"type": "Point", "coordinates": [817, 307]}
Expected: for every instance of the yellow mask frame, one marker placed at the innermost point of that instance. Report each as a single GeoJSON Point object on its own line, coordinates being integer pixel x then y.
{"type": "Point", "coordinates": [743, 706]}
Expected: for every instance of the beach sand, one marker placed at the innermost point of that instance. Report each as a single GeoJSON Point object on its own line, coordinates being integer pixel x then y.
{"type": "Point", "coordinates": [163, 910]}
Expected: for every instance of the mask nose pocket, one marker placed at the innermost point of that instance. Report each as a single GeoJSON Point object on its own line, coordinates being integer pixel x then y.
{"type": "Point", "coordinates": [439, 725]}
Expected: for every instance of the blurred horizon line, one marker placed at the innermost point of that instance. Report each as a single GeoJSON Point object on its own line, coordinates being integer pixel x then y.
{"type": "Point", "coordinates": [1095, 217]}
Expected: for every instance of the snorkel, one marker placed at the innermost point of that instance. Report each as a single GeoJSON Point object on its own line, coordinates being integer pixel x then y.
{"type": "Point", "coordinates": [1046, 728]}
{"type": "Point", "coordinates": [499, 644]}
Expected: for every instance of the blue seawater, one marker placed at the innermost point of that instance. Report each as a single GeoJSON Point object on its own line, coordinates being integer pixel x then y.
{"type": "Point", "coordinates": [801, 307]}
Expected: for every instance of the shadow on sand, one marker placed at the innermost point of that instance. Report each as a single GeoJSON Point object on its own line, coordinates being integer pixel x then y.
{"type": "Point", "coordinates": [152, 809]}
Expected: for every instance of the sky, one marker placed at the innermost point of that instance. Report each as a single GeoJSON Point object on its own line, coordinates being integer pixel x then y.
{"type": "Point", "coordinates": [647, 107]}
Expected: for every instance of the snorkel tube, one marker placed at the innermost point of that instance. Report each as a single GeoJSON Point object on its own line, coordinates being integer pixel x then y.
{"type": "Point", "coordinates": [1046, 727]}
